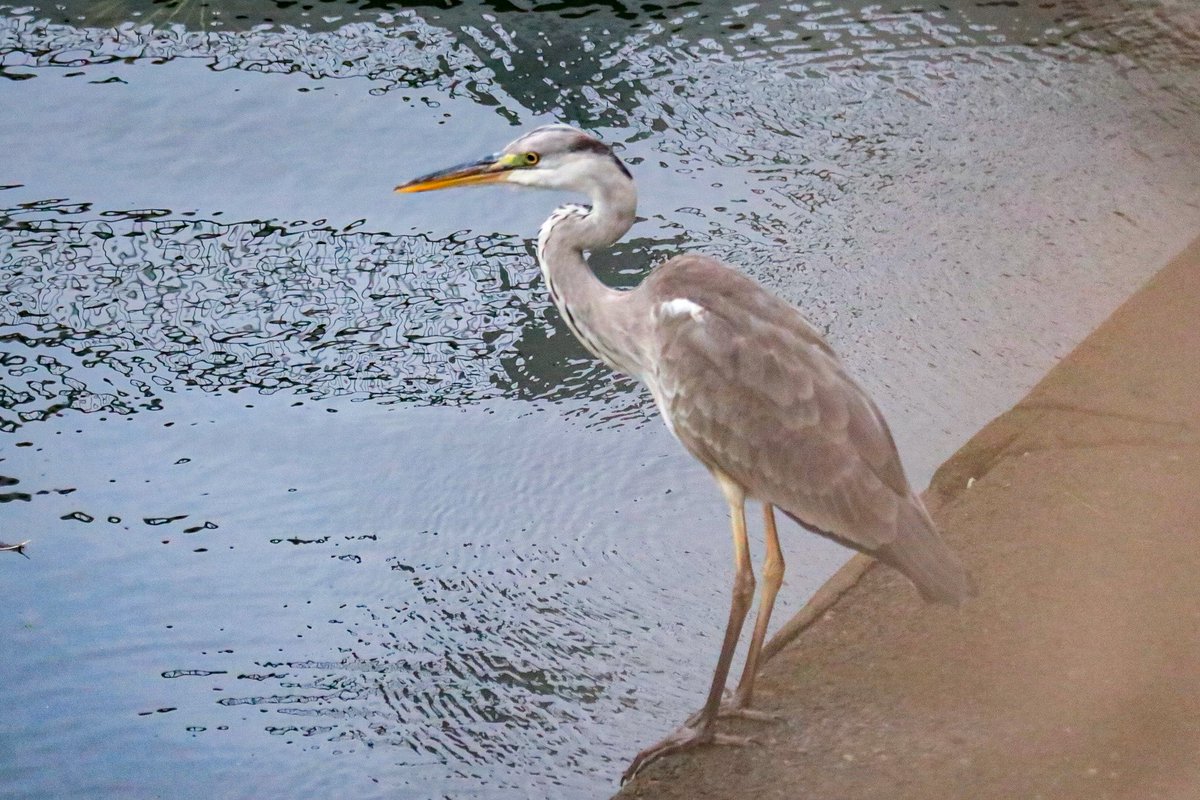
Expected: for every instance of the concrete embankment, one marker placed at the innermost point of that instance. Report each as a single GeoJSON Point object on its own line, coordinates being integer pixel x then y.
{"type": "Point", "coordinates": [1076, 672]}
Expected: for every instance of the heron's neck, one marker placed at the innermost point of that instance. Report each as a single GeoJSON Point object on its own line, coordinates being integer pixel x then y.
{"type": "Point", "coordinates": [599, 316]}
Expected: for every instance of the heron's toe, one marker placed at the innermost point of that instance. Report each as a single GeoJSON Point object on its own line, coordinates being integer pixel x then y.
{"type": "Point", "coordinates": [735, 706]}
{"type": "Point", "coordinates": [732, 711]}
{"type": "Point", "coordinates": [684, 738]}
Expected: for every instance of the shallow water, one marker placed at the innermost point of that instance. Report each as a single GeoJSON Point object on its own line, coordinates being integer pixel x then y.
{"type": "Point", "coordinates": [325, 500]}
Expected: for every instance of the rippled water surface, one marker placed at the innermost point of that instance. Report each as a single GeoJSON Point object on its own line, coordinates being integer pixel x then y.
{"type": "Point", "coordinates": [325, 501]}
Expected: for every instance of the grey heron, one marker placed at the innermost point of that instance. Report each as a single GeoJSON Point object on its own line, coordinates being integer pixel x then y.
{"type": "Point", "coordinates": [741, 379]}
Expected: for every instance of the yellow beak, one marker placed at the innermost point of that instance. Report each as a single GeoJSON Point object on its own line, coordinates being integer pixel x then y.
{"type": "Point", "coordinates": [489, 170]}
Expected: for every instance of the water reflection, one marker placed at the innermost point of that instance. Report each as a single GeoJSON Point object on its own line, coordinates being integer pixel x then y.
{"type": "Point", "coordinates": [402, 599]}
{"type": "Point", "coordinates": [282, 503]}
{"type": "Point", "coordinates": [110, 311]}
{"type": "Point", "coordinates": [456, 663]}
{"type": "Point", "coordinates": [603, 55]}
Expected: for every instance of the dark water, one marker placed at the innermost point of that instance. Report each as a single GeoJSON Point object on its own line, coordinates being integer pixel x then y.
{"type": "Point", "coordinates": [325, 500]}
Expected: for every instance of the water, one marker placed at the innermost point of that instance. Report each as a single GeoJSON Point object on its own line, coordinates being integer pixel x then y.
{"type": "Point", "coordinates": [324, 498]}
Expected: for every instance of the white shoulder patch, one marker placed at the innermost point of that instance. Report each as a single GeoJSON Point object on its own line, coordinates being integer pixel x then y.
{"type": "Point", "coordinates": [681, 307]}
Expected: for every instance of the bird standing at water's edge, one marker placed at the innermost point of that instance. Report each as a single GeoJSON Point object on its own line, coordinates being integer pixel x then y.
{"type": "Point", "coordinates": [742, 380]}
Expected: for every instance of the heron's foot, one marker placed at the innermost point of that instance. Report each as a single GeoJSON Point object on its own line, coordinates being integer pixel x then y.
{"type": "Point", "coordinates": [736, 706]}
{"type": "Point", "coordinates": [685, 738]}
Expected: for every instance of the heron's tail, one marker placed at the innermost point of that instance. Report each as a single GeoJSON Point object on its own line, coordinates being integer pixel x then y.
{"type": "Point", "coordinates": [919, 552]}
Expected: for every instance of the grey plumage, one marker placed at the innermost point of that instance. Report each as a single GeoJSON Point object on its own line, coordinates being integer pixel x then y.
{"type": "Point", "coordinates": [744, 382]}
{"type": "Point", "coordinates": [750, 386]}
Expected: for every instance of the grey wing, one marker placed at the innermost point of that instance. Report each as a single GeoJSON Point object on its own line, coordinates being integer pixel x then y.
{"type": "Point", "coordinates": [751, 389]}
{"type": "Point", "coordinates": [766, 402]}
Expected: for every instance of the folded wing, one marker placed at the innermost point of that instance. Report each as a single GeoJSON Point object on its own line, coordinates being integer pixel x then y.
{"type": "Point", "coordinates": [751, 388]}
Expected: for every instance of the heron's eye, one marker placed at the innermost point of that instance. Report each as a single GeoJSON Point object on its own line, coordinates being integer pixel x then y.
{"type": "Point", "coordinates": [531, 159]}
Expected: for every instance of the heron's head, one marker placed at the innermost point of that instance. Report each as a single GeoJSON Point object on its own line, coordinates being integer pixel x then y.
{"type": "Point", "coordinates": [550, 157]}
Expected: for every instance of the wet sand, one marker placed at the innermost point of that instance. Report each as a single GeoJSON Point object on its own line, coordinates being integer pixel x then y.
{"type": "Point", "coordinates": [1076, 672]}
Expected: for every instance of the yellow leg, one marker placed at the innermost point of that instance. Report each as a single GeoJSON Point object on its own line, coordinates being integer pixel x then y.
{"type": "Point", "coordinates": [772, 573]}
{"type": "Point", "coordinates": [699, 730]}
{"type": "Point", "coordinates": [743, 598]}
